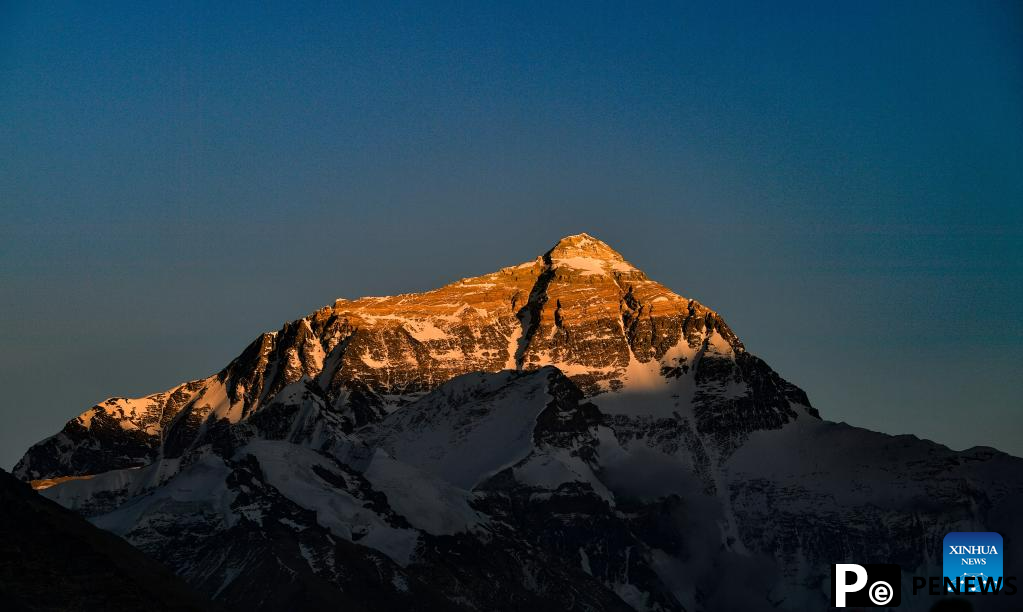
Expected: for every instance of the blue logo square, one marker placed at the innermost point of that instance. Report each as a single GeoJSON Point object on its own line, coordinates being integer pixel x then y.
{"type": "Point", "coordinates": [975, 554]}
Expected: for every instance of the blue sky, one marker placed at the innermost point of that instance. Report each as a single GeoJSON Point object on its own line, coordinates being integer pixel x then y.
{"type": "Point", "coordinates": [842, 182]}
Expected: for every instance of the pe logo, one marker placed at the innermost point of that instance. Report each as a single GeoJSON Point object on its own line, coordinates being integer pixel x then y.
{"type": "Point", "coordinates": [974, 558]}
{"type": "Point", "coordinates": [867, 586]}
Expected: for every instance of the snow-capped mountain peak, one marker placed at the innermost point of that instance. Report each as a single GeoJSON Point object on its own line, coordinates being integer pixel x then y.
{"type": "Point", "coordinates": [565, 433]}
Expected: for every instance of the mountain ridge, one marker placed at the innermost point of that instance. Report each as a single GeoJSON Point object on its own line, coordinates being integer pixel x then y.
{"type": "Point", "coordinates": [580, 306]}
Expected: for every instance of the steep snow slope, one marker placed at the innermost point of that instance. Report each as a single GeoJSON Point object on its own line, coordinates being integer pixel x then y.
{"type": "Point", "coordinates": [468, 428]}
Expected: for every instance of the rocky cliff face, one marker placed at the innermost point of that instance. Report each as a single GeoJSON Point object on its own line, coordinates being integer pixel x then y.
{"type": "Point", "coordinates": [561, 434]}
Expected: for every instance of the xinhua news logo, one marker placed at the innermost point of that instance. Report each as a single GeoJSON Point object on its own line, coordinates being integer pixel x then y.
{"type": "Point", "coordinates": [868, 586]}
{"type": "Point", "coordinates": [973, 560]}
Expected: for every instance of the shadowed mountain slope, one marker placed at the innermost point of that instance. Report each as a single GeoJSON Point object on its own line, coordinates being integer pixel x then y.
{"type": "Point", "coordinates": [53, 559]}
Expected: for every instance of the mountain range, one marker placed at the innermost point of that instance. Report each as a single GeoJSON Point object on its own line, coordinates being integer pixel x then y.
{"type": "Point", "coordinates": [563, 434]}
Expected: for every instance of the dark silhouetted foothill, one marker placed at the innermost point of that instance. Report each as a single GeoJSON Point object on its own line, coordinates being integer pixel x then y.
{"type": "Point", "coordinates": [53, 559]}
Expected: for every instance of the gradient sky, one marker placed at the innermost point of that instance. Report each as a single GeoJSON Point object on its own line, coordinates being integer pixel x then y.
{"type": "Point", "coordinates": [844, 184]}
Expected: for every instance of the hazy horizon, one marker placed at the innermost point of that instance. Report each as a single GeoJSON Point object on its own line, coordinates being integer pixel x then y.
{"type": "Point", "coordinates": [842, 184]}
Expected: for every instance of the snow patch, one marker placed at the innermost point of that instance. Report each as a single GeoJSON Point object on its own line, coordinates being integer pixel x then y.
{"type": "Point", "coordinates": [427, 502]}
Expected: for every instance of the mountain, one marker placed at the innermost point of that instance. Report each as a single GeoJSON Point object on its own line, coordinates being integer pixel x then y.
{"type": "Point", "coordinates": [561, 434]}
{"type": "Point", "coordinates": [53, 559]}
